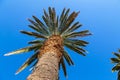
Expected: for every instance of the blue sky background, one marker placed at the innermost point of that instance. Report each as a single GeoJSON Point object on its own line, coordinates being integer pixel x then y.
{"type": "Point", "coordinates": [101, 17]}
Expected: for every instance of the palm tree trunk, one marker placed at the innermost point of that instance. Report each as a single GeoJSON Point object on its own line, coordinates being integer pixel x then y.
{"type": "Point", "coordinates": [48, 65]}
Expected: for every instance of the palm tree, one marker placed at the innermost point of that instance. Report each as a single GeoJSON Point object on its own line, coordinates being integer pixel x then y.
{"type": "Point", "coordinates": [52, 36]}
{"type": "Point", "coordinates": [117, 62]}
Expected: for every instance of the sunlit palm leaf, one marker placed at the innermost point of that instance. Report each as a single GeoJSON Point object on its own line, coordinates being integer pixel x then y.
{"type": "Point", "coordinates": [34, 34]}
{"type": "Point", "coordinates": [63, 66]}
{"type": "Point", "coordinates": [49, 19]}
{"type": "Point", "coordinates": [63, 20]}
{"type": "Point", "coordinates": [67, 58]}
{"type": "Point", "coordinates": [26, 49]}
{"type": "Point", "coordinates": [62, 14]}
{"type": "Point", "coordinates": [117, 54]}
{"type": "Point", "coordinates": [35, 25]}
{"type": "Point", "coordinates": [116, 68]}
{"type": "Point", "coordinates": [75, 48]}
{"type": "Point", "coordinates": [76, 42]}
{"type": "Point", "coordinates": [118, 75]}
{"type": "Point", "coordinates": [77, 34]}
{"type": "Point", "coordinates": [47, 22]}
{"type": "Point", "coordinates": [56, 26]}
{"type": "Point", "coordinates": [115, 60]}
{"type": "Point", "coordinates": [74, 27]}
{"type": "Point", "coordinates": [33, 66]}
{"type": "Point", "coordinates": [54, 20]}
{"type": "Point", "coordinates": [34, 28]}
{"type": "Point", "coordinates": [70, 19]}
{"type": "Point", "coordinates": [41, 25]}
{"type": "Point", "coordinates": [36, 42]}
{"type": "Point", "coordinates": [27, 63]}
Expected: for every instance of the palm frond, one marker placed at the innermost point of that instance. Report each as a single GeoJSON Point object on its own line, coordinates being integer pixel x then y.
{"type": "Point", "coordinates": [28, 62]}
{"type": "Point", "coordinates": [115, 60]}
{"type": "Point", "coordinates": [63, 66]}
{"type": "Point", "coordinates": [117, 54]}
{"type": "Point", "coordinates": [36, 35]}
{"type": "Point", "coordinates": [67, 58]}
{"type": "Point", "coordinates": [116, 68]}
{"type": "Point", "coordinates": [42, 27]}
{"type": "Point", "coordinates": [49, 19]}
{"type": "Point", "coordinates": [23, 50]}
{"type": "Point", "coordinates": [76, 42]}
{"type": "Point", "coordinates": [34, 28]}
{"type": "Point", "coordinates": [48, 23]}
{"type": "Point", "coordinates": [63, 20]}
{"type": "Point", "coordinates": [77, 34]}
{"type": "Point", "coordinates": [118, 50]}
{"type": "Point", "coordinates": [70, 20]}
{"type": "Point", "coordinates": [74, 27]}
{"type": "Point", "coordinates": [56, 25]}
{"type": "Point", "coordinates": [62, 15]}
{"type": "Point", "coordinates": [36, 42]}
{"type": "Point", "coordinates": [118, 75]}
{"type": "Point", "coordinates": [75, 48]}
{"type": "Point", "coordinates": [33, 66]}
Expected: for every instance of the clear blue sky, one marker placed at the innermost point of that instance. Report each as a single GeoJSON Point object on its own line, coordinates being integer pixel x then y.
{"type": "Point", "coordinates": [101, 17]}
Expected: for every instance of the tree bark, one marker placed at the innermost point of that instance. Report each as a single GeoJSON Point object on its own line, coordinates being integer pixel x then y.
{"type": "Point", "coordinates": [47, 67]}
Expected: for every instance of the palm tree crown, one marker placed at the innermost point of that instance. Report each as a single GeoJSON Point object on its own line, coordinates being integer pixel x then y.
{"type": "Point", "coordinates": [117, 62]}
{"type": "Point", "coordinates": [63, 26]}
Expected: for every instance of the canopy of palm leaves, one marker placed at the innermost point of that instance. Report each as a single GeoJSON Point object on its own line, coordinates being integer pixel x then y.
{"type": "Point", "coordinates": [116, 61]}
{"type": "Point", "coordinates": [52, 24]}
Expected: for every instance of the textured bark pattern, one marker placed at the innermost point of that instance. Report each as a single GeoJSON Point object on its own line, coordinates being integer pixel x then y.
{"type": "Point", "coordinates": [49, 58]}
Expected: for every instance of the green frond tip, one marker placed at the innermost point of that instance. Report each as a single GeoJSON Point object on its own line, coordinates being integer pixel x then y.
{"type": "Point", "coordinates": [118, 75]}
{"type": "Point", "coordinates": [26, 49]}
{"type": "Point", "coordinates": [63, 67]}
{"type": "Point", "coordinates": [116, 68]}
{"type": "Point", "coordinates": [36, 42]}
{"type": "Point", "coordinates": [68, 58]}
{"type": "Point", "coordinates": [77, 34]}
{"type": "Point", "coordinates": [36, 35]}
{"type": "Point", "coordinates": [27, 63]}
{"type": "Point", "coordinates": [115, 60]}
{"type": "Point", "coordinates": [116, 54]}
{"type": "Point", "coordinates": [75, 48]}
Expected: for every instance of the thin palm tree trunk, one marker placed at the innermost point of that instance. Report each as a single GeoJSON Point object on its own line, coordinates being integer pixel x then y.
{"type": "Point", "coordinates": [48, 65]}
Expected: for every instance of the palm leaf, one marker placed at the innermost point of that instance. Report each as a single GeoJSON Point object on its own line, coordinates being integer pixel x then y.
{"type": "Point", "coordinates": [62, 14]}
{"type": "Point", "coordinates": [117, 54]}
{"type": "Point", "coordinates": [116, 68]}
{"type": "Point", "coordinates": [63, 20]}
{"type": "Point", "coordinates": [26, 49]}
{"type": "Point", "coordinates": [27, 63]}
{"type": "Point", "coordinates": [56, 25]}
{"type": "Point", "coordinates": [74, 27]}
{"type": "Point", "coordinates": [42, 26]}
{"type": "Point", "coordinates": [118, 75]}
{"type": "Point", "coordinates": [115, 60]}
{"type": "Point", "coordinates": [63, 66]}
{"type": "Point", "coordinates": [48, 20]}
{"type": "Point", "coordinates": [75, 48]}
{"type": "Point", "coordinates": [34, 34]}
{"type": "Point", "coordinates": [33, 66]}
{"type": "Point", "coordinates": [36, 42]}
{"type": "Point", "coordinates": [70, 19]}
{"type": "Point", "coordinates": [67, 58]}
{"type": "Point", "coordinates": [119, 50]}
{"type": "Point", "coordinates": [34, 28]}
{"type": "Point", "coordinates": [76, 42]}
{"type": "Point", "coordinates": [48, 23]}
{"type": "Point", "coordinates": [77, 34]}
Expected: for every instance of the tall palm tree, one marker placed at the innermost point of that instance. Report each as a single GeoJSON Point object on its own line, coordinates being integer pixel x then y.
{"type": "Point", "coordinates": [117, 62]}
{"type": "Point", "coordinates": [52, 36]}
